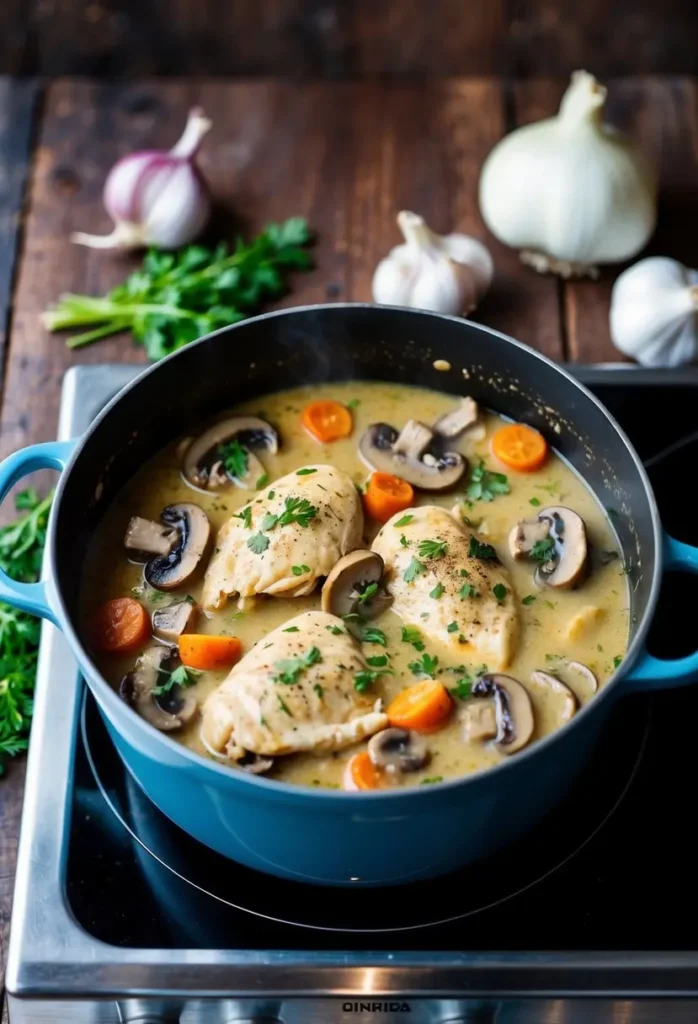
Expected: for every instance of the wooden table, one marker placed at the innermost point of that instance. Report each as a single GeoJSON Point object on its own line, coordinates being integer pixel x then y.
{"type": "Point", "coordinates": [346, 155]}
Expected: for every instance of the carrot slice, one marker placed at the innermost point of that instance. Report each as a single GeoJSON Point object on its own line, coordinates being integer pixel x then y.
{"type": "Point", "coordinates": [327, 420]}
{"type": "Point", "coordinates": [385, 495]}
{"type": "Point", "coordinates": [361, 773]}
{"type": "Point", "coordinates": [423, 707]}
{"type": "Point", "coordinates": [119, 626]}
{"type": "Point", "coordinates": [520, 447]}
{"type": "Point", "coordinates": [202, 651]}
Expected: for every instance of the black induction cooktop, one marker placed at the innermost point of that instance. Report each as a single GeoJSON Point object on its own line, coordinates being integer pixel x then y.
{"type": "Point", "coordinates": [613, 869]}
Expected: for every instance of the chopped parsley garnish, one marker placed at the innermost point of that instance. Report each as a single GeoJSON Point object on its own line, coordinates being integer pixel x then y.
{"type": "Point", "coordinates": [467, 590]}
{"type": "Point", "coordinates": [431, 779]}
{"type": "Point", "coordinates": [289, 669]}
{"type": "Point", "coordinates": [426, 666]}
{"type": "Point", "coordinates": [300, 570]}
{"type": "Point", "coordinates": [181, 676]}
{"type": "Point", "coordinates": [258, 543]}
{"type": "Point", "coordinates": [534, 501]}
{"type": "Point", "coordinates": [542, 550]}
{"type": "Point", "coordinates": [262, 481]}
{"type": "Point", "coordinates": [485, 485]}
{"type": "Point", "coordinates": [404, 541]}
{"type": "Point", "coordinates": [319, 690]}
{"type": "Point", "coordinates": [410, 635]}
{"type": "Point", "coordinates": [234, 457]}
{"type": "Point", "coordinates": [305, 472]}
{"type": "Point", "coordinates": [452, 627]}
{"type": "Point", "coordinates": [368, 593]}
{"type": "Point", "coordinates": [378, 661]}
{"type": "Point", "coordinates": [365, 679]}
{"type": "Point", "coordinates": [297, 510]}
{"type": "Point", "coordinates": [246, 516]}
{"type": "Point", "coordinates": [284, 706]}
{"type": "Point", "coordinates": [463, 687]}
{"type": "Point", "coordinates": [353, 403]}
{"type": "Point", "coordinates": [500, 592]}
{"type": "Point", "coordinates": [268, 522]}
{"type": "Point", "coordinates": [413, 570]}
{"type": "Point", "coordinates": [437, 591]}
{"type": "Point", "coordinates": [403, 521]}
{"type": "Point", "coordinates": [432, 548]}
{"type": "Point", "coordinates": [483, 551]}
{"type": "Point", "coordinates": [371, 635]}
{"type": "Point", "coordinates": [529, 599]}
{"type": "Point", "coordinates": [617, 660]}
{"type": "Point", "coordinates": [271, 495]}
{"type": "Point", "coordinates": [335, 630]}
{"type": "Point", "coordinates": [291, 629]}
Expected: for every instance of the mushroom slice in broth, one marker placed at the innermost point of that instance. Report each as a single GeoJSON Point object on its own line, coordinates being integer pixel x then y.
{"type": "Point", "coordinates": [398, 750]}
{"type": "Point", "coordinates": [354, 586]}
{"type": "Point", "coordinates": [179, 617]}
{"type": "Point", "coordinates": [223, 454]}
{"type": "Point", "coordinates": [180, 566]}
{"type": "Point", "coordinates": [570, 563]}
{"type": "Point", "coordinates": [168, 710]}
{"type": "Point", "coordinates": [513, 710]}
{"type": "Point", "coordinates": [566, 701]}
{"type": "Point", "coordinates": [412, 456]}
{"type": "Point", "coordinates": [144, 538]}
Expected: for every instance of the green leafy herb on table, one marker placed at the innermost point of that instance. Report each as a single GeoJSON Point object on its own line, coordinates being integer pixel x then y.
{"type": "Point", "coordinates": [21, 549]}
{"type": "Point", "coordinates": [178, 297]}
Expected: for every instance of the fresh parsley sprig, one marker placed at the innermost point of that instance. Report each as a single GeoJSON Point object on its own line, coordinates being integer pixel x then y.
{"type": "Point", "coordinates": [177, 297]}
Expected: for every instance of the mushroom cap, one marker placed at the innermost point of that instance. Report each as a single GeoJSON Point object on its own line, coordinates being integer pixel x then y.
{"type": "Point", "coordinates": [343, 587]}
{"type": "Point", "coordinates": [167, 572]}
{"type": "Point", "coordinates": [585, 682]}
{"type": "Point", "coordinates": [168, 711]}
{"type": "Point", "coordinates": [568, 530]}
{"type": "Point", "coordinates": [453, 423]}
{"type": "Point", "coordinates": [144, 538]}
{"type": "Point", "coordinates": [548, 681]}
{"type": "Point", "coordinates": [174, 619]}
{"type": "Point", "coordinates": [430, 470]}
{"type": "Point", "coordinates": [202, 455]}
{"type": "Point", "coordinates": [398, 750]}
{"type": "Point", "coordinates": [515, 721]}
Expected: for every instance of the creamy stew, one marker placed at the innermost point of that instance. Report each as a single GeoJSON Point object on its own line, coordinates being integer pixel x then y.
{"type": "Point", "coordinates": [492, 602]}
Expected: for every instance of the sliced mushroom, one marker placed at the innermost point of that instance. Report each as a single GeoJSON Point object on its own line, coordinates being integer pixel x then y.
{"type": "Point", "coordinates": [455, 422]}
{"type": "Point", "coordinates": [167, 711]}
{"type": "Point", "coordinates": [354, 585]}
{"type": "Point", "coordinates": [398, 750]}
{"type": "Point", "coordinates": [254, 764]}
{"type": "Point", "coordinates": [407, 455]}
{"type": "Point", "coordinates": [144, 538]}
{"type": "Point", "coordinates": [583, 682]}
{"type": "Point", "coordinates": [167, 572]}
{"type": "Point", "coordinates": [479, 721]}
{"type": "Point", "coordinates": [571, 561]}
{"type": "Point", "coordinates": [513, 710]}
{"type": "Point", "coordinates": [179, 617]}
{"type": "Point", "coordinates": [568, 701]}
{"type": "Point", "coordinates": [525, 534]}
{"type": "Point", "coordinates": [202, 465]}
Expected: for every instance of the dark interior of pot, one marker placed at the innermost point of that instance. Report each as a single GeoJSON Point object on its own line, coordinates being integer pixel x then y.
{"type": "Point", "coordinates": [348, 342]}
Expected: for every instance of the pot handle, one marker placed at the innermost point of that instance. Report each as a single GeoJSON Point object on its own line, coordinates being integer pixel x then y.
{"type": "Point", "coordinates": [652, 673]}
{"type": "Point", "coordinates": [31, 597]}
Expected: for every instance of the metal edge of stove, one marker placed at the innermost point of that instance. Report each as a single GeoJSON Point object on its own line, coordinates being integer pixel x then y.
{"type": "Point", "coordinates": [50, 955]}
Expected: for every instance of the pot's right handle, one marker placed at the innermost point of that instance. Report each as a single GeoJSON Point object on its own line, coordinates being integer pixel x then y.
{"type": "Point", "coordinates": [31, 597]}
{"type": "Point", "coordinates": [652, 673]}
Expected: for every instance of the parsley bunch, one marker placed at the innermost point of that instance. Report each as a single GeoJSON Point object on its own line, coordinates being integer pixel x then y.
{"type": "Point", "coordinates": [177, 297]}
{"type": "Point", "coordinates": [21, 550]}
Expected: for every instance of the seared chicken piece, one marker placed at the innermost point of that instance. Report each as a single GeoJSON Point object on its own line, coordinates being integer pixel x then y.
{"type": "Point", "coordinates": [472, 590]}
{"type": "Point", "coordinates": [318, 519]}
{"type": "Point", "coordinates": [293, 691]}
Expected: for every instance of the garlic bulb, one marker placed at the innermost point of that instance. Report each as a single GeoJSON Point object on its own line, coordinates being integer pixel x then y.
{"type": "Point", "coordinates": [156, 197]}
{"type": "Point", "coordinates": [570, 192]}
{"type": "Point", "coordinates": [443, 273]}
{"type": "Point", "coordinates": [654, 312]}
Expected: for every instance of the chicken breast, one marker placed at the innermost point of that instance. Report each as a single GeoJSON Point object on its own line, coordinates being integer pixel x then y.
{"type": "Point", "coordinates": [439, 577]}
{"type": "Point", "coordinates": [294, 691]}
{"type": "Point", "coordinates": [313, 518]}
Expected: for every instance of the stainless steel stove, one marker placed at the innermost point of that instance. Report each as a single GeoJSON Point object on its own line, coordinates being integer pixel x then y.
{"type": "Point", "coordinates": [121, 917]}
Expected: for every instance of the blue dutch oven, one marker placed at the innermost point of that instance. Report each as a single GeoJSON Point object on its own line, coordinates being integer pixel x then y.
{"type": "Point", "coordinates": [326, 836]}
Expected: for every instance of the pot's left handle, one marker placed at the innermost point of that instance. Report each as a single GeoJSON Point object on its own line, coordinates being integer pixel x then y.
{"type": "Point", "coordinates": [31, 597]}
{"type": "Point", "coordinates": [652, 673]}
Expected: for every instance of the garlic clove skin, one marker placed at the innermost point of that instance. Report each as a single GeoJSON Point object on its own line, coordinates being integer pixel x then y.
{"type": "Point", "coordinates": [569, 191]}
{"type": "Point", "coordinates": [444, 274]}
{"type": "Point", "coordinates": [654, 313]}
{"type": "Point", "coordinates": [155, 197]}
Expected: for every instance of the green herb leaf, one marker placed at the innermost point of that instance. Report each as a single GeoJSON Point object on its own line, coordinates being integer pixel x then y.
{"type": "Point", "coordinates": [246, 516]}
{"type": "Point", "coordinates": [484, 484]}
{"type": "Point", "coordinates": [542, 550]}
{"type": "Point", "coordinates": [290, 669]}
{"type": "Point", "coordinates": [410, 635]}
{"type": "Point", "coordinates": [291, 629]}
{"type": "Point", "coordinates": [437, 591]}
{"type": "Point", "coordinates": [463, 687]}
{"type": "Point", "coordinates": [268, 522]}
{"type": "Point", "coordinates": [467, 590]}
{"type": "Point", "coordinates": [258, 543]}
{"type": "Point", "coordinates": [378, 661]}
{"type": "Point", "coordinates": [262, 481]}
{"type": "Point", "coordinates": [368, 592]}
{"type": "Point", "coordinates": [404, 521]}
{"type": "Point", "coordinates": [500, 592]}
{"type": "Point", "coordinates": [365, 679]}
{"type": "Point", "coordinates": [371, 635]}
{"type": "Point", "coordinates": [300, 570]}
{"type": "Point", "coordinates": [181, 676]}
{"type": "Point", "coordinates": [485, 552]}
{"type": "Point", "coordinates": [529, 599]}
{"type": "Point", "coordinates": [305, 472]}
{"type": "Point", "coordinates": [335, 630]}
{"type": "Point", "coordinates": [431, 779]}
{"type": "Point", "coordinates": [235, 458]}
{"type": "Point", "coordinates": [452, 627]}
{"type": "Point", "coordinates": [432, 548]}
{"type": "Point", "coordinates": [617, 660]}
{"type": "Point", "coordinates": [284, 706]}
{"type": "Point", "coordinates": [404, 541]}
{"type": "Point", "coordinates": [534, 501]}
{"type": "Point", "coordinates": [297, 510]}
{"type": "Point", "coordinates": [426, 666]}
{"type": "Point", "coordinates": [414, 569]}
{"type": "Point", "coordinates": [353, 403]}
{"type": "Point", "coordinates": [271, 495]}
{"type": "Point", "coordinates": [319, 690]}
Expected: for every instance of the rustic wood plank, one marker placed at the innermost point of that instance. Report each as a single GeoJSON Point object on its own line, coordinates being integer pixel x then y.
{"type": "Point", "coordinates": [11, 794]}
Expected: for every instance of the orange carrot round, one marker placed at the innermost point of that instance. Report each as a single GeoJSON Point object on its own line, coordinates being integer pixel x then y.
{"type": "Point", "coordinates": [119, 626]}
{"type": "Point", "coordinates": [361, 773]}
{"type": "Point", "coordinates": [327, 420]}
{"type": "Point", "coordinates": [520, 447]}
{"type": "Point", "coordinates": [202, 651]}
{"type": "Point", "coordinates": [386, 495]}
{"type": "Point", "coordinates": [423, 707]}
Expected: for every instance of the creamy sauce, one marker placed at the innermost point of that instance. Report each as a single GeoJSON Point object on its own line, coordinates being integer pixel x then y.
{"type": "Point", "coordinates": [599, 636]}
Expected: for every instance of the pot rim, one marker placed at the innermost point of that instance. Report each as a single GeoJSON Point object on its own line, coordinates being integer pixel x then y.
{"type": "Point", "coordinates": [271, 788]}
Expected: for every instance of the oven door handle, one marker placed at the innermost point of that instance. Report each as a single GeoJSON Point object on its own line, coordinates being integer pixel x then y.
{"type": "Point", "coordinates": [31, 597]}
